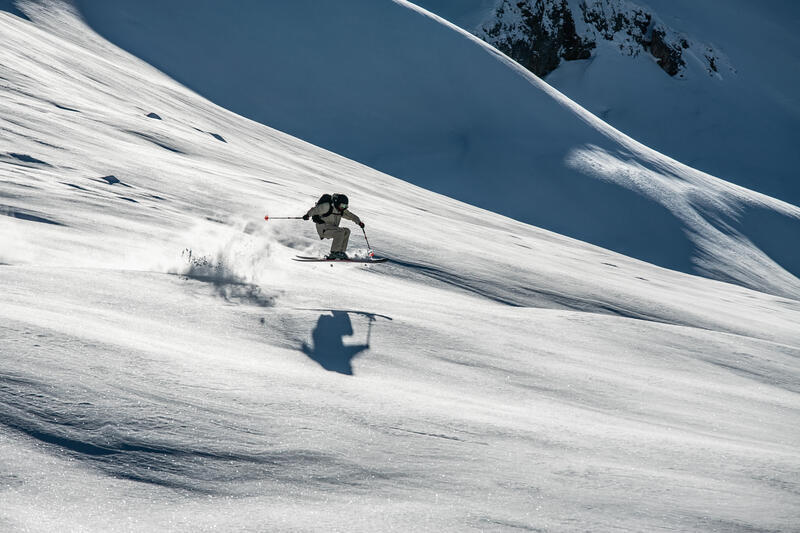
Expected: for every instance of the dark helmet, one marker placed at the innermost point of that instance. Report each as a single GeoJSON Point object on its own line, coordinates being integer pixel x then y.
{"type": "Point", "coordinates": [339, 201]}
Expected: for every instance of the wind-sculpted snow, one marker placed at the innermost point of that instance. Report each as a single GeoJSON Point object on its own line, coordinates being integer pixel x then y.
{"type": "Point", "coordinates": [732, 108]}
{"type": "Point", "coordinates": [712, 214]}
{"type": "Point", "coordinates": [166, 366]}
{"type": "Point", "coordinates": [407, 93]}
{"type": "Point", "coordinates": [192, 398]}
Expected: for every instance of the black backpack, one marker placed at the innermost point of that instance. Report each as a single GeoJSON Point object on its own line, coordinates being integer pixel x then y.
{"type": "Point", "coordinates": [322, 199]}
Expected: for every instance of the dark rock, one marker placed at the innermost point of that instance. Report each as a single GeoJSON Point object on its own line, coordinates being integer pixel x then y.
{"type": "Point", "coordinates": [539, 34]}
{"type": "Point", "coordinates": [712, 63]}
{"type": "Point", "coordinates": [153, 115]}
{"type": "Point", "coordinates": [668, 56]}
{"type": "Point", "coordinates": [545, 36]}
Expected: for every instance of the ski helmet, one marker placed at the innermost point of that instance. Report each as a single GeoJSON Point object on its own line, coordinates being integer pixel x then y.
{"type": "Point", "coordinates": [339, 201]}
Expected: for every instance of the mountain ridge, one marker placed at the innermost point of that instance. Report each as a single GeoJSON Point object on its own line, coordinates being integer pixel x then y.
{"type": "Point", "coordinates": [736, 122]}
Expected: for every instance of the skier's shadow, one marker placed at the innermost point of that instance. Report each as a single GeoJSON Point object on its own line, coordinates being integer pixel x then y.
{"type": "Point", "coordinates": [327, 341]}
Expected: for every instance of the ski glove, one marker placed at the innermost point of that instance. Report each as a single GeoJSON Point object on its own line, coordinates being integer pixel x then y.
{"type": "Point", "coordinates": [305, 217]}
{"type": "Point", "coordinates": [361, 224]}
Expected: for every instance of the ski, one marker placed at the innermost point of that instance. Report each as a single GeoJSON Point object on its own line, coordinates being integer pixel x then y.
{"type": "Point", "coordinates": [350, 260]}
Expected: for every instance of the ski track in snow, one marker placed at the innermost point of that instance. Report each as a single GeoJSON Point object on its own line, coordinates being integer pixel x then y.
{"type": "Point", "coordinates": [166, 366]}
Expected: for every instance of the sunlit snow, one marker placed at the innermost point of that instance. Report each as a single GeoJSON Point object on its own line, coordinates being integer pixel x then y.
{"type": "Point", "coordinates": [165, 366]}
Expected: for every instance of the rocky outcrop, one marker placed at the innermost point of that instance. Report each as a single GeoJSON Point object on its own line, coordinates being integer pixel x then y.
{"type": "Point", "coordinates": [539, 34]}
{"type": "Point", "coordinates": [668, 56]}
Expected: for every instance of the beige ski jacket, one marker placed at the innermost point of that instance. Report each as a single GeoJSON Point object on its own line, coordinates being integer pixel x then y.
{"type": "Point", "coordinates": [331, 220]}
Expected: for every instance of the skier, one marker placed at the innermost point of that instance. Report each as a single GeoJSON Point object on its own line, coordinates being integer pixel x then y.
{"type": "Point", "coordinates": [327, 214]}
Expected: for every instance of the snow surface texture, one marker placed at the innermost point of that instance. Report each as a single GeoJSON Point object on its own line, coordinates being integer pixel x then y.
{"type": "Point", "coordinates": [731, 109]}
{"type": "Point", "coordinates": [405, 92]}
{"type": "Point", "coordinates": [165, 366]}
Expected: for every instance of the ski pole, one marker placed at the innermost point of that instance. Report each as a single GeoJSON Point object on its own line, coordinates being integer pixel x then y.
{"type": "Point", "coordinates": [267, 217]}
{"type": "Point", "coordinates": [371, 253]}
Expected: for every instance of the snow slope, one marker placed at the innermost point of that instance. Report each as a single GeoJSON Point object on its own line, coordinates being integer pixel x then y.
{"type": "Point", "coordinates": [393, 87]}
{"type": "Point", "coordinates": [165, 366]}
{"type": "Point", "coordinates": [738, 122]}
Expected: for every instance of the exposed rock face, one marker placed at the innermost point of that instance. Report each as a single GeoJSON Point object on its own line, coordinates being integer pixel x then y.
{"type": "Point", "coordinates": [668, 55]}
{"type": "Point", "coordinates": [539, 34]}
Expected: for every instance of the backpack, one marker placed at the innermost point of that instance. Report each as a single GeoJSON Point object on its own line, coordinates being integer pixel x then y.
{"type": "Point", "coordinates": [323, 199]}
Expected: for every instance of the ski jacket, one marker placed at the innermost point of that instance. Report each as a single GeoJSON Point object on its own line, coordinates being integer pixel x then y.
{"type": "Point", "coordinates": [331, 220]}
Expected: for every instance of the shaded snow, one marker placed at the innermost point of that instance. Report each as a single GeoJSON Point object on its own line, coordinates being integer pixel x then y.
{"type": "Point", "coordinates": [737, 122]}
